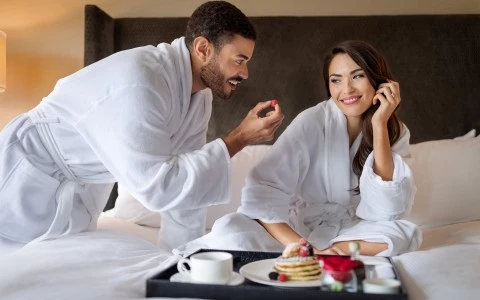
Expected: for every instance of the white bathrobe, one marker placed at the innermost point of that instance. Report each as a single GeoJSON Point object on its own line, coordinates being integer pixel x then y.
{"type": "Point", "coordinates": [305, 180]}
{"type": "Point", "coordinates": [129, 118]}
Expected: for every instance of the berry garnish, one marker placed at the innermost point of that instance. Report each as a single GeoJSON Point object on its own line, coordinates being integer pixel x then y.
{"type": "Point", "coordinates": [304, 251]}
{"type": "Point", "coordinates": [282, 277]}
{"type": "Point", "coordinates": [303, 242]}
{"type": "Point", "coordinates": [273, 275]}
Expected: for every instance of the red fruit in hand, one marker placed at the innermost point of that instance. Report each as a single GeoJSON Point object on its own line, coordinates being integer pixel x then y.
{"type": "Point", "coordinates": [282, 277]}
{"type": "Point", "coordinates": [273, 102]}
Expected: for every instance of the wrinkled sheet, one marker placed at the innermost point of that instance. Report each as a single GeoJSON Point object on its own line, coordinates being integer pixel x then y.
{"type": "Point", "coordinates": [103, 264]}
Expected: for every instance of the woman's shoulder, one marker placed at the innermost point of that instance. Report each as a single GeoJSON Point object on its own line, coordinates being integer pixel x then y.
{"type": "Point", "coordinates": [308, 122]}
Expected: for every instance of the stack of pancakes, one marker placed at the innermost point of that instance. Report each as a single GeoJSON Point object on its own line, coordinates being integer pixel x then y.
{"type": "Point", "coordinates": [298, 264]}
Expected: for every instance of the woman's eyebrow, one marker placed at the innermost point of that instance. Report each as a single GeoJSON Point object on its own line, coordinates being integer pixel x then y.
{"type": "Point", "coordinates": [356, 70]}
{"type": "Point", "coordinates": [352, 72]}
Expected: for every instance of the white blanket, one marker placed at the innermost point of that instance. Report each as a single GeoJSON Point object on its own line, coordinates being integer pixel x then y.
{"type": "Point", "coordinates": [91, 265]}
{"type": "Point", "coordinates": [114, 264]}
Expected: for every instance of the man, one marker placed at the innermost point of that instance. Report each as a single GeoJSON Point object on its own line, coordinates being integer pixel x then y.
{"type": "Point", "coordinates": [138, 117]}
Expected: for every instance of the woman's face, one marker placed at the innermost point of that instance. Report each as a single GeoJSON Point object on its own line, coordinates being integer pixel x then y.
{"type": "Point", "coordinates": [349, 86]}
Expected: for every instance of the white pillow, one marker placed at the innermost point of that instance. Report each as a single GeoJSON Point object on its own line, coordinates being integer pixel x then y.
{"type": "Point", "coordinates": [471, 134]}
{"type": "Point", "coordinates": [447, 176]}
{"type": "Point", "coordinates": [241, 164]}
{"type": "Point", "coordinates": [128, 208]}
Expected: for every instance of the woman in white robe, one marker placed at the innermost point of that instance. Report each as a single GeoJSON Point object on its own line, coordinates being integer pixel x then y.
{"type": "Point", "coordinates": [335, 175]}
{"type": "Point", "coordinates": [138, 117]}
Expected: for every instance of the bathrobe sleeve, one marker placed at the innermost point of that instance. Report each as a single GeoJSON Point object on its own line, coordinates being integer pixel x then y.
{"type": "Point", "coordinates": [387, 200]}
{"type": "Point", "coordinates": [129, 131]}
{"type": "Point", "coordinates": [271, 185]}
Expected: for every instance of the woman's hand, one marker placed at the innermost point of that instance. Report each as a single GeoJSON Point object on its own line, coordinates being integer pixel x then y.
{"type": "Point", "coordinates": [389, 96]}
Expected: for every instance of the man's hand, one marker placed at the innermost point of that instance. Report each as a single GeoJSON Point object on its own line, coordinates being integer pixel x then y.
{"type": "Point", "coordinates": [255, 129]}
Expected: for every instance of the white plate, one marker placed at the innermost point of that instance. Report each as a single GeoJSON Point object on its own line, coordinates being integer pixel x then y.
{"type": "Point", "coordinates": [257, 271]}
{"type": "Point", "coordinates": [180, 277]}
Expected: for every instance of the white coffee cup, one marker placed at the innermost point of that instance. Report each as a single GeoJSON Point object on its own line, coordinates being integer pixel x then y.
{"type": "Point", "coordinates": [381, 286]}
{"type": "Point", "coordinates": [208, 267]}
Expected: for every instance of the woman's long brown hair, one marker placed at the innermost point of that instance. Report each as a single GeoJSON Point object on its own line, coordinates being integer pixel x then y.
{"type": "Point", "coordinates": [377, 72]}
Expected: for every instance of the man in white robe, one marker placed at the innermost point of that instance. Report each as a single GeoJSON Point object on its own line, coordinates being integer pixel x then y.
{"type": "Point", "coordinates": [310, 188]}
{"type": "Point", "coordinates": [138, 117]}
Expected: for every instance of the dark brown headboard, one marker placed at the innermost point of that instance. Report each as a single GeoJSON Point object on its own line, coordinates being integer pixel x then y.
{"type": "Point", "coordinates": [436, 59]}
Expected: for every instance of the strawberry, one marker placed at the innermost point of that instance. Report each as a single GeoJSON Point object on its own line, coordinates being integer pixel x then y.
{"type": "Point", "coordinates": [282, 277]}
{"type": "Point", "coordinates": [304, 251]}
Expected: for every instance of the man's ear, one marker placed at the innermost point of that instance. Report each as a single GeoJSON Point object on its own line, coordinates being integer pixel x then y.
{"type": "Point", "coordinates": [202, 48]}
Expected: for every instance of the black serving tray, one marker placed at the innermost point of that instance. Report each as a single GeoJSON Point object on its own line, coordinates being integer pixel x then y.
{"type": "Point", "coordinates": [160, 285]}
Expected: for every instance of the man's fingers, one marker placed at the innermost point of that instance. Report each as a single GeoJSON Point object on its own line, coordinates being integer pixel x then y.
{"type": "Point", "coordinates": [261, 106]}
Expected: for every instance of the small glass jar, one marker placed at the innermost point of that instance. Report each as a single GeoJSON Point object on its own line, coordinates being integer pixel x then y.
{"type": "Point", "coordinates": [338, 274]}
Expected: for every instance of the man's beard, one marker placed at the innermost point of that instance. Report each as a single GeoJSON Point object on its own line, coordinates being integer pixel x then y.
{"type": "Point", "coordinates": [213, 78]}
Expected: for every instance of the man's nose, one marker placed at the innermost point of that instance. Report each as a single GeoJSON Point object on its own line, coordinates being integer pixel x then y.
{"type": "Point", "coordinates": [244, 72]}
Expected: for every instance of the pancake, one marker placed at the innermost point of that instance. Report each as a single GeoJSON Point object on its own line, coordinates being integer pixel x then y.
{"type": "Point", "coordinates": [297, 263]}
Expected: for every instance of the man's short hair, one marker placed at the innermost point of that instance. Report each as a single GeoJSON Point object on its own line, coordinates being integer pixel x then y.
{"type": "Point", "coordinates": [218, 21]}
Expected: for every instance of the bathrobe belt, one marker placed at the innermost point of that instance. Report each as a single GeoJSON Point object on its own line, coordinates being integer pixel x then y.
{"type": "Point", "coordinates": [66, 191]}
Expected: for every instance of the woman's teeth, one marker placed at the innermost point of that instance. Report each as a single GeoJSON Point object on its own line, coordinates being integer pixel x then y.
{"type": "Point", "coordinates": [350, 100]}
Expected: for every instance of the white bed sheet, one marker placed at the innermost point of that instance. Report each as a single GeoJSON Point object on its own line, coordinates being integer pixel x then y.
{"type": "Point", "coordinates": [110, 223]}
{"type": "Point", "coordinates": [115, 261]}
{"type": "Point", "coordinates": [446, 266]}
{"type": "Point", "coordinates": [112, 262]}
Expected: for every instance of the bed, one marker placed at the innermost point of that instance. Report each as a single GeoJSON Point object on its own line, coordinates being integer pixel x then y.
{"type": "Point", "coordinates": [435, 58]}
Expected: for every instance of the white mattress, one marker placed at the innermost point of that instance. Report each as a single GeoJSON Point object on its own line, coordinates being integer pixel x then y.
{"type": "Point", "coordinates": [115, 261]}
{"type": "Point", "coordinates": [446, 266]}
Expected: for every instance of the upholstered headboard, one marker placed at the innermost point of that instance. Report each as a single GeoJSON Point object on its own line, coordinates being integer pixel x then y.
{"type": "Point", "coordinates": [436, 59]}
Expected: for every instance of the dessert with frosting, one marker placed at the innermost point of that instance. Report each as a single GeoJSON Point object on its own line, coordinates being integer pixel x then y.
{"type": "Point", "coordinates": [297, 263]}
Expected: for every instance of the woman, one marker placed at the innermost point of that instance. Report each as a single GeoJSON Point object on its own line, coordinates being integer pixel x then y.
{"type": "Point", "coordinates": [336, 174]}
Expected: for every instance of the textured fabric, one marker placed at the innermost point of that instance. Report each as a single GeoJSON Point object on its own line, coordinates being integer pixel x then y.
{"type": "Point", "coordinates": [129, 118]}
{"type": "Point", "coordinates": [306, 180]}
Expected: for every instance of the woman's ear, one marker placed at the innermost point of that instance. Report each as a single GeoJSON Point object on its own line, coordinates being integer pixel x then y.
{"type": "Point", "coordinates": [202, 48]}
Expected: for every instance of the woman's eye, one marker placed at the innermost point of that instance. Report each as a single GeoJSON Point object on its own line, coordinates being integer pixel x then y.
{"type": "Point", "coordinates": [358, 76]}
{"type": "Point", "coordinates": [334, 81]}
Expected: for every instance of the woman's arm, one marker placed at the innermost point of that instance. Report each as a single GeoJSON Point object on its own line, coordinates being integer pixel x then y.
{"type": "Point", "coordinates": [389, 96]}
{"type": "Point", "coordinates": [282, 232]}
{"type": "Point", "coordinates": [382, 154]}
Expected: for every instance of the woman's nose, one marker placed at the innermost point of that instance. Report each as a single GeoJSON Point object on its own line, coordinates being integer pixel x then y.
{"type": "Point", "coordinates": [348, 86]}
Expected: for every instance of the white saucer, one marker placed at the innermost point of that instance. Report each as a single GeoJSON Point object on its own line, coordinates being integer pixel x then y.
{"type": "Point", "coordinates": [179, 277]}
